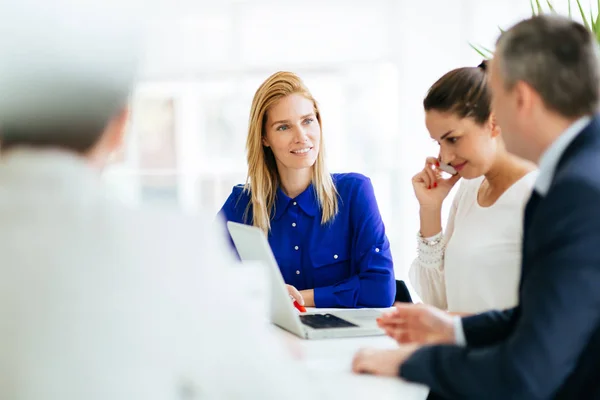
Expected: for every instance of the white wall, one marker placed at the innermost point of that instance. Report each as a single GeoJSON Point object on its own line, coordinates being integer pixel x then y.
{"type": "Point", "coordinates": [368, 62]}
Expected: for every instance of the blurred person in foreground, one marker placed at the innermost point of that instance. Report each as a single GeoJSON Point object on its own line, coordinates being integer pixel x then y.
{"type": "Point", "coordinates": [545, 92]}
{"type": "Point", "coordinates": [98, 301]}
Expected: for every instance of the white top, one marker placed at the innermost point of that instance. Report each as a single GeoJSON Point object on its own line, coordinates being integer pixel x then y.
{"type": "Point", "coordinates": [99, 302]}
{"type": "Point", "coordinates": [476, 265]}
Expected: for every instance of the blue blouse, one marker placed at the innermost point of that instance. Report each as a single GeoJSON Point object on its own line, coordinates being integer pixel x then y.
{"type": "Point", "coordinates": [347, 261]}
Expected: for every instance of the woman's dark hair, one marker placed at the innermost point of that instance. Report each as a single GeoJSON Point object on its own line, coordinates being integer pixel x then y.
{"type": "Point", "coordinates": [462, 91]}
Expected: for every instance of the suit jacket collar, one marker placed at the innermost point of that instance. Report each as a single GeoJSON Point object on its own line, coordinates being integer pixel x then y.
{"type": "Point", "coordinates": [555, 158]}
{"type": "Point", "coordinates": [589, 135]}
{"type": "Point", "coordinates": [551, 157]}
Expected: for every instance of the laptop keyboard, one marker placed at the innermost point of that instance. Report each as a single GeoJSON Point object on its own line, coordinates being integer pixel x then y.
{"type": "Point", "coordinates": [325, 321]}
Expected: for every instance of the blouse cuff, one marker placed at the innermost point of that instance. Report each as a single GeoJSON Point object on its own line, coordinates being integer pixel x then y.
{"type": "Point", "coordinates": [431, 250]}
{"type": "Point", "coordinates": [431, 240]}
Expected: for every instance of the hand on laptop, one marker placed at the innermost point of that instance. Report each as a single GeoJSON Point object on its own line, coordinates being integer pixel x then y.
{"type": "Point", "coordinates": [382, 362]}
{"type": "Point", "coordinates": [304, 298]}
{"type": "Point", "coordinates": [295, 294]}
{"type": "Point", "coordinates": [418, 323]}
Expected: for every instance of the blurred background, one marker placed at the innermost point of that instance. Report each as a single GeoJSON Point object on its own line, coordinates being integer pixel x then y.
{"type": "Point", "coordinates": [369, 64]}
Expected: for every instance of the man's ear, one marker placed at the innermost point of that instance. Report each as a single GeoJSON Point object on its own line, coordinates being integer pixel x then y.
{"type": "Point", "coordinates": [115, 130]}
{"type": "Point", "coordinates": [494, 127]}
{"type": "Point", "coordinates": [111, 139]}
{"type": "Point", "coordinates": [526, 98]}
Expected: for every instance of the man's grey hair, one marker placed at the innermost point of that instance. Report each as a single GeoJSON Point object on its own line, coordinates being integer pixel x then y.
{"type": "Point", "coordinates": [556, 56]}
{"type": "Point", "coordinates": [66, 69]}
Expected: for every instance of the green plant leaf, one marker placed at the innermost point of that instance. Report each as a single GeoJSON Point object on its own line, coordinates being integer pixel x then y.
{"type": "Point", "coordinates": [570, 16]}
{"type": "Point", "coordinates": [533, 13]}
{"type": "Point", "coordinates": [486, 49]}
{"type": "Point", "coordinates": [539, 7]}
{"type": "Point", "coordinates": [597, 24]}
{"type": "Point", "coordinates": [591, 22]}
{"type": "Point", "coordinates": [585, 21]}
{"type": "Point", "coordinates": [482, 51]}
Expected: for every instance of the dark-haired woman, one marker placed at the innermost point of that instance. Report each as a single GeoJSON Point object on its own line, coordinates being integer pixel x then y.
{"type": "Point", "coordinates": [474, 265]}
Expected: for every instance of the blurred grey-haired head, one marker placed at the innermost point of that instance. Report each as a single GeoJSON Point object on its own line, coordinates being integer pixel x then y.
{"type": "Point", "coordinates": [557, 57]}
{"type": "Point", "coordinates": [66, 69]}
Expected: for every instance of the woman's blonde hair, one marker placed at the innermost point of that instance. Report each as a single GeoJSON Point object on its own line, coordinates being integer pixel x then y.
{"type": "Point", "coordinates": [263, 178]}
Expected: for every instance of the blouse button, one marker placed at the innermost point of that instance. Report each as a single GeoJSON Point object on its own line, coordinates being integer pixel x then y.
{"type": "Point", "coordinates": [376, 249]}
{"type": "Point", "coordinates": [295, 203]}
{"type": "Point", "coordinates": [297, 272]}
{"type": "Point", "coordinates": [335, 256]}
{"type": "Point", "coordinates": [294, 224]}
{"type": "Point", "coordinates": [295, 247]}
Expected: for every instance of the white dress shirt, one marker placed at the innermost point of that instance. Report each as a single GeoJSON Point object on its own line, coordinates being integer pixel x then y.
{"type": "Point", "coordinates": [475, 264]}
{"type": "Point", "coordinates": [98, 301]}
{"type": "Point", "coordinates": [547, 167]}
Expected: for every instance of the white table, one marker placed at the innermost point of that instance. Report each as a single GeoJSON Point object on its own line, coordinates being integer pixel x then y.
{"type": "Point", "coordinates": [328, 362]}
{"type": "Point", "coordinates": [332, 359]}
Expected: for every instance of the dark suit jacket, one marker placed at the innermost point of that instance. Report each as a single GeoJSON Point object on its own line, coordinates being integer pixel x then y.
{"type": "Point", "coordinates": [549, 345]}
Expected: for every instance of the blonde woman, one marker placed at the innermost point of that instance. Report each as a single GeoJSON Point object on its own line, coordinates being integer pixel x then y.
{"type": "Point", "coordinates": [325, 229]}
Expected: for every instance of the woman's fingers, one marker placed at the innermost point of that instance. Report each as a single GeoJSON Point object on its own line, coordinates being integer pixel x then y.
{"type": "Point", "coordinates": [431, 161]}
{"type": "Point", "coordinates": [422, 178]}
{"type": "Point", "coordinates": [432, 178]}
{"type": "Point", "coordinates": [295, 294]}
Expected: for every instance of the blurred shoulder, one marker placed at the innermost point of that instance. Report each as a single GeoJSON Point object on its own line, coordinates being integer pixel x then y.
{"type": "Point", "coordinates": [188, 238]}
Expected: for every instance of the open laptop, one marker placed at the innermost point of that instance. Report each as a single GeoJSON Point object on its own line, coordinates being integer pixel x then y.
{"type": "Point", "coordinates": [252, 245]}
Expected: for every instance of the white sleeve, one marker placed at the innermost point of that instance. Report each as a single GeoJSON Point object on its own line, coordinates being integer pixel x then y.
{"type": "Point", "coordinates": [459, 332]}
{"type": "Point", "coordinates": [426, 272]}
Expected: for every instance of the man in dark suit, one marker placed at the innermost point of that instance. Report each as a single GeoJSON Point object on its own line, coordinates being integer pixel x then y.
{"type": "Point", "coordinates": [545, 84]}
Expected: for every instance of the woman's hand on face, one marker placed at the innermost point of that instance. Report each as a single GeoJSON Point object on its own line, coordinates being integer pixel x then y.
{"type": "Point", "coordinates": [430, 187]}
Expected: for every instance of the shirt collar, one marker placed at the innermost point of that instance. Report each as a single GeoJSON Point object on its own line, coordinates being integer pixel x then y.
{"type": "Point", "coordinates": [549, 160]}
{"type": "Point", "coordinates": [307, 201]}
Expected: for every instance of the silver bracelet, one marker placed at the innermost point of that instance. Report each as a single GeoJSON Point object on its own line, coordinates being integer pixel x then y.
{"type": "Point", "coordinates": [433, 242]}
